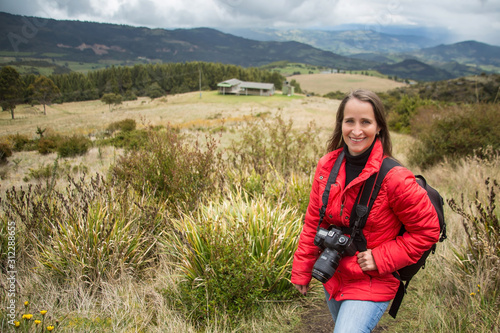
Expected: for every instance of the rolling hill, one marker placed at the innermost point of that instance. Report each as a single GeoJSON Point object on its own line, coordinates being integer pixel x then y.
{"type": "Point", "coordinates": [29, 44]}
{"type": "Point", "coordinates": [97, 42]}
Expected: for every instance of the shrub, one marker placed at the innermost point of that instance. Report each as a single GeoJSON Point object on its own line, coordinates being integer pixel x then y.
{"type": "Point", "coordinates": [172, 167]}
{"type": "Point", "coordinates": [53, 172]}
{"type": "Point", "coordinates": [5, 152]}
{"type": "Point", "coordinates": [232, 255]}
{"type": "Point", "coordinates": [20, 142]}
{"type": "Point", "coordinates": [131, 140]}
{"type": "Point", "coordinates": [478, 262]}
{"type": "Point", "coordinates": [126, 125]}
{"type": "Point", "coordinates": [455, 132]}
{"type": "Point", "coordinates": [49, 144]}
{"type": "Point", "coordinates": [335, 95]}
{"type": "Point", "coordinates": [268, 145]}
{"type": "Point", "coordinates": [291, 191]}
{"type": "Point", "coordinates": [404, 111]}
{"type": "Point", "coordinates": [92, 231]}
{"type": "Point", "coordinates": [73, 146]}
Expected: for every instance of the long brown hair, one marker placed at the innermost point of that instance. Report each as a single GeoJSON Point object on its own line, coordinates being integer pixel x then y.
{"type": "Point", "coordinates": [363, 95]}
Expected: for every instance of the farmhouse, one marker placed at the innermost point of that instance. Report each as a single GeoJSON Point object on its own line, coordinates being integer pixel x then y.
{"type": "Point", "coordinates": [237, 87]}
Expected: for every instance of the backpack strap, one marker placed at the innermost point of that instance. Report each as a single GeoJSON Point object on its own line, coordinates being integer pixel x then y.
{"type": "Point", "coordinates": [364, 203]}
{"type": "Point", "coordinates": [331, 180]}
{"type": "Point", "coordinates": [359, 215]}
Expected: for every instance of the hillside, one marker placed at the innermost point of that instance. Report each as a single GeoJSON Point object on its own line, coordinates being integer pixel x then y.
{"type": "Point", "coordinates": [414, 70]}
{"type": "Point", "coordinates": [347, 43]}
{"type": "Point", "coordinates": [88, 42]}
{"type": "Point", "coordinates": [468, 52]}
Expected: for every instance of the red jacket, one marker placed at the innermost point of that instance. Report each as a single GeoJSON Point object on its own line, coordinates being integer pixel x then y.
{"type": "Point", "coordinates": [400, 200]}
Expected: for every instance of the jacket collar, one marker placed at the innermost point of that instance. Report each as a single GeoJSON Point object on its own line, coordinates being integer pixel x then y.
{"type": "Point", "coordinates": [372, 165]}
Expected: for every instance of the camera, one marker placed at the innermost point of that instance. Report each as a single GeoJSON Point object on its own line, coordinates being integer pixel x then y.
{"type": "Point", "coordinates": [335, 246]}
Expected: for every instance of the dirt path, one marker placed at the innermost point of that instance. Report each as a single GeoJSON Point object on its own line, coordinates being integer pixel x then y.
{"type": "Point", "coordinates": [317, 319]}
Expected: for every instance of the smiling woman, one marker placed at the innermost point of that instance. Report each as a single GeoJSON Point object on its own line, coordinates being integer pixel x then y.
{"type": "Point", "coordinates": [363, 285]}
{"type": "Point", "coordinates": [359, 127]}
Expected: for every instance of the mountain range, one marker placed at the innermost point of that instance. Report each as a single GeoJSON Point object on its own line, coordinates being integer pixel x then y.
{"type": "Point", "coordinates": [412, 57]}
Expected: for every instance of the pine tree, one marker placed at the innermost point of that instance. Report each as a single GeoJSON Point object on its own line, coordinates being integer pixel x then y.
{"type": "Point", "coordinates": [44, 91]}
{"type": "Point", "coordinates": [11, 89]}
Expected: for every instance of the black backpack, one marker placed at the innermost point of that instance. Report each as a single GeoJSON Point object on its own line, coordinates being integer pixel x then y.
{"type": "Point", "coordinates": [365, 200]}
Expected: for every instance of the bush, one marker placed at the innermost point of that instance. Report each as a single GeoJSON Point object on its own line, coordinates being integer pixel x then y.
{"type": "Point", "coordinates": [91, 232]}
{"type": "Point", "coordinates": [454, 132]}
{"type": "Point", "coordinates": [131, 140]}
{"type": "Point", "coordinates": [5, 152]}
{"type": "Point", "coordinates": [21, 142]}
{"type": "Point", "coordinates": [478, 262]}
{"type": "Point", "coordinates": [335, 95]}
{"type": "Point", "coordinates": [272, 145]}
{"type": "Point", "coordinates": [292, 191]}
{"type": "Point", "coordinates": [49, 144]}
{"type": "Point", "coordinates": [404, 111]}
{"type": "Point", "coordinates": [232, 255]}
{"type": "Point", "coordinates": [172, 167]}
{"type": "Point", "coordinates": [126, 125]}
{"type": "Point", "coordinates": [73, 146]}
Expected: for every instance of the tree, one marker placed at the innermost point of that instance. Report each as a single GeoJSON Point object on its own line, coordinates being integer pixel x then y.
{"type": "Point", "coordinates": [11, 89]}
{"type": "Point", "coordinates": [44, 91]}
{"type": "Point", "coordinates": [154, 91]}
{"type": "Point", "coordinates": [111, 99]}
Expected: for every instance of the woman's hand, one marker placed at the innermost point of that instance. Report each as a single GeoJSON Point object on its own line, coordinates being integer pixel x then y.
{"type": "Point", "coordinates": [301, 288]}
{"type": "Point", "coordinates": [366, 261]}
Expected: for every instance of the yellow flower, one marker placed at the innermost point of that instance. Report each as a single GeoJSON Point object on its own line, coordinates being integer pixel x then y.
{"type": "Point", "coordinates": [16, 323]}
{"type": "Point", "coordinates": [473, 294]}
{"type": "Point", "coordinates": [50, 328]}
{"type": "Point", "coordinates": [38, 322]}
{"type": "Point", "coordinates": [43, 312]}
{"type": "Point", "coordinates": [26, 303]}
{"type": "Point", "coordinates": [27, 316]}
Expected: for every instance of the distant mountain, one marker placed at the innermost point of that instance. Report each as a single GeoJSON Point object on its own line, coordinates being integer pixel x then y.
{"type": "Point", "coordinates": [414, 70]}
{"type": "Point", "coordinates": [469, 52]}
{"type": "Point", "coordinates": [28, 41]}
{"type": "Point", "coordinates": [97, 42]}
{"type": "Point", "coordinates": [460, 59]}
{"type": "Point", "coordinates": [345, 43]}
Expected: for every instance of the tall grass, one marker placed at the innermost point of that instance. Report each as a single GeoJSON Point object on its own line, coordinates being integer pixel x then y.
{"type": "Point", "coordinates": [233, 255]}
{"type": "Point", "coordinates": [172, 167]}
{"type": "Point", "coordinates": [106, 254]}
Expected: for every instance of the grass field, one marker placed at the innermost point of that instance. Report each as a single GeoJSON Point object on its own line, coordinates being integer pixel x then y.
{"type": "Point", "coordinates": [185, 110]}
{"type": "Point", "coordinates": [324, 83]}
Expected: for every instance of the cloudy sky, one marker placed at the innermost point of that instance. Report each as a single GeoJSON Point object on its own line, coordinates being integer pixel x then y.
{"type": "Point", "coordinates": [460, 20]}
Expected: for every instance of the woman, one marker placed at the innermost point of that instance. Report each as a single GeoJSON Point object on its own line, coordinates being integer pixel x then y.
{"type": "Point", "coordinates": [363, 285]}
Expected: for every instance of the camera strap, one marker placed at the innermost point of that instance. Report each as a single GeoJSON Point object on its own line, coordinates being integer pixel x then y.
{"type": "Point", "coordinates": [362, 207]}
{"type": "Point", "coordinates": [331, 180]}
{"type": "Point", "coordinates": [364, 203]}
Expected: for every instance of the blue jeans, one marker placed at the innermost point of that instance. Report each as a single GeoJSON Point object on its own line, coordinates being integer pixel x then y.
{"type": "Point", "coordinates": [355, 316]}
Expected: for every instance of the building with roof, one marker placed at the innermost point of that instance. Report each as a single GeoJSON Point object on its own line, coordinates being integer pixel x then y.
{"type": "Point", "coordinates": [237, 87]}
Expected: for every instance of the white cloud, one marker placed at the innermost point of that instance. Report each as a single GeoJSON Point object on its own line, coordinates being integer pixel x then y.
{"type": "Point", "coordinates": [466, 19]}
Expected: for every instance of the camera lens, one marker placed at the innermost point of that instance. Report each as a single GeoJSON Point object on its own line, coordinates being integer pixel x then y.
{"type": "Point", "coordinates": [325, 266]}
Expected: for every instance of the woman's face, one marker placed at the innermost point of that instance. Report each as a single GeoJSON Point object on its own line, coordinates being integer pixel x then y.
{"type": "Point", "coordinates": [359, 126]}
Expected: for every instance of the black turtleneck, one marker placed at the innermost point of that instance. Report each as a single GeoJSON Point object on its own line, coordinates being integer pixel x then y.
{"type": "Point", "coordinates": [355, 164]}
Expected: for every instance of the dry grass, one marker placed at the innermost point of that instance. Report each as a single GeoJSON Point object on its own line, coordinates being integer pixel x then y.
{"type": "Point", "coordinates": [128, 306]}
{"type": "Point", "coordinates": [325, 83]}
{"type": "Point", "coordinates": [184, 110]}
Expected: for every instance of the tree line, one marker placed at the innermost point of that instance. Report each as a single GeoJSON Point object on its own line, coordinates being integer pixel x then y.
{"type": "Point", "coordinates": [152, 80]}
